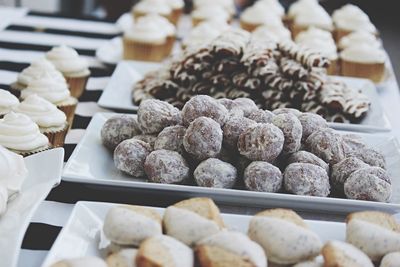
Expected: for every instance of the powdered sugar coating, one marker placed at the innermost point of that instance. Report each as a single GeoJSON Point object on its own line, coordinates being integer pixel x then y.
{"type": "Point", "coordinates": [306, 179]}
{"type": "Point", "coordinates": [203, 105]}
{"type": "Point", "coordinates": [262, 142]}
{"type": "Point", "coordinates": [292, 131]}
{"type": "Point", "coordinates": [130, 155]}
{"type": "Point", "coordinates": [262, 176]}
{"type": "Point", "coordinates": [246, 105]}
{"type": "Point", "coordinates": [310, 123]}
{"type": "Point", "coordinates": [342, 170]}
{"type": "Point", "coordinates": [307, 157]}
{"type": "Point", "coordinates": [171, 138]}
{"type": "Point", "coordinates": [370, 156]}
{"type": "Point", "coordinates": [147, 138]}
{"type": "Point", "coordinates": [117, 129]}
{"type": "Point", "coordinates": [286, 110]}
{"type": "Point", "coordinates": [233, 128]}
{"type": "Point", "coordinates": [215, 173]}
{"type": "Point", "coordinates": [372, 183]}
{"type": "Point", "coordinates": [261, 116]}
{"type": "Point", "coordinates": [166, 167]}
{"type": "Point", "coordinates": [203, 138]}
{"type": "Point", "coordinates": [154, 115]}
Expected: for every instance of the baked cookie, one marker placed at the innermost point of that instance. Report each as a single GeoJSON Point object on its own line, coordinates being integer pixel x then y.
{"type": "Point", "coordinates": [391, 260]}
{"type": "Point", "coordinates": [123, 258]}
{"type": "Point", "coordinates": [337, 253]}
{"type": "Point", "coordinates": [317, 262]}
{"type": "Point", "coordinates": [81, 262]}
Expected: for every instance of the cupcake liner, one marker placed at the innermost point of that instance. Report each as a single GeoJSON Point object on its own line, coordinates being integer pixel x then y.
{"type": "Point", "coordinates": [77, 85]}
{"type": "Point", "coordinates": [143, 51]}
{"type": "Point", "coordinates": [373, 71]}
{"type": "Point", "coordinates": [176, 14]}
{"type": "Point", "coordinates": [296, 29]}
{"type": "Point", "coordinates": [57, 137]}
{"type": "Point", "coordinates": [248, 26]}
{"type": "Point", "coordinates": [29, 153]}
{"type": "Point", "coordinates": [340, 33]}
{"type": "Point", "coordinates": [333, 69]}
{"type": "Point", "coordinates": [170, 45]}
{"type": "Point", "coordinates": [69, 110]}
{"type": "Point", "coordinates": [136, 15]}
{"type": "Point", "coordinates": [287, 21]}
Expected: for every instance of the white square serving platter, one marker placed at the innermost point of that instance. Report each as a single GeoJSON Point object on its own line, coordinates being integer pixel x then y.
{"type": "Point", "coordinates": [20, 210]}
{"type": "Point", "coordinates": [117, 95]}
{"type": "Point", "coordinates": [81, 235]}
{"type": "Point", "coordinates": [92, 163]}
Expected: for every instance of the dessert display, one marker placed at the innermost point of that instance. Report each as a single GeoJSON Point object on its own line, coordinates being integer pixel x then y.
{"type": "Point", "coordinates": [236, 65]}
{"type": "Point", "coordinates": [234, 144]}
{"type": "Point", "coordinates": [194, 234]}
{"type": "Point", "coordinates": [7, 102]}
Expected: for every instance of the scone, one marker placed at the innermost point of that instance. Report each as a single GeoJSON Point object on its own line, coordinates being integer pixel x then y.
{"type": "Point", "coordinates": [191, 220]}
{"type": "Point", "coordinates": [130, 225]}
{"type": "Point", "coordinates": [391, 260]}
{"type": "Point", "coordinates": [375, 233]}
{"type": "Point", "coordinates": [81, 262]}
{"type": "Point", "coordinates": [284, 236]}
{"type": "Point", "coordinates": [123, 258]}
{"type": "Point", "coordinates": [228, 248]}
{"type": "Point", "coordinates": [337, 253]}
{"type": "Point", "coordinates": [164, 251]}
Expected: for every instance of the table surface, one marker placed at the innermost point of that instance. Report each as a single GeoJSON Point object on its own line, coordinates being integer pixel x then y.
{"type": "Point", "coordinates": [24, 37]}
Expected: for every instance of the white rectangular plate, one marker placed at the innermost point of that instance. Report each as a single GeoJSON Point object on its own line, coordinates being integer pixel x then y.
{"type": "Point", "coordinates": [81, 235]}
{"type": "Point", "coordinates": [20, 210]}
{"type": "Point", "coordinates": [117, 95]}
{"type": "Point", "coordinates": [92, 163]}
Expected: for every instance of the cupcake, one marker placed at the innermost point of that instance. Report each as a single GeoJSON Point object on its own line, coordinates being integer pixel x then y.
{"type": "Point", "coordinates": [36, 68]}
{"type": "Point", "coordinates": [272, 5]}
{"type": "Point", "coordinates": [74, 68]}
{"type": "Point", "coordinates": [204, 33]}
{"type": "Point", "coordinates": [276, 34]}
{"type": "Point", "coordinates": [205, 13]}
{"type": "Point", "coordinates": [351, 18]}
{"type": "Point", "coordinates": [228, 5]}
{"type": "Point", "coordinates": [145, 7]}
{"type": "Point", "coordinates": [177, 9]}
{"type": "Point", "coordinates": [363, 61]}
{"type": "Point", "coordinates": [258, 15]}
{"type": "Point", "coordinates": [313, 16]}
{"type": "Point", "coordinates": [21, 135]}
{"type": "Point", "coordinates": [357, 38]}
{"type": "Point", "coordinates": [52, 122]}
{"type": "Point", "coordinates": [298, 7]}
{"type": "Point", "coordinates": [55, 92]}
{"type": "Point", "coordinates": [7, 102]}
{"type": "Point", "coordinates": [165, 25]}
{"type": "Point", "coordinates": [145, 41]}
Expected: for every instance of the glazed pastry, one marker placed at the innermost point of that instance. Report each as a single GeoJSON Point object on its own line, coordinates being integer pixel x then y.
{"type": "Point", "coordinates": [229, 249]}
{"type": "Point", "coordinates": [123, 258]}
{"type": "Point", "coordinates": [144, 7]}
{"type": "Point", "coordinates": [130, 156]}
{"type": "Point", "coordinates": [262, 177]}
{"type": "Point", "coordinates": [117, 129]}
{"type": "Point", "coordinates": [337, 253]}
{"type": "Point", "coordinates": [7, 102]}
{"type": "Point", "coordinates": [21, 135]}
{"type": "Point", "coordinates": [284, 236]}
{"type": "Point", "coordinates": [163, 251]}
{"type": "Point", "coordinates": [375, 233]}
{"type": "Point", "coordinates": [390, 260]}
{"type": "Point", "coordinates": [130, 225]}
{"type": "Point", "coordinates": [74, 68]}
{"type": "Point", "coordinates": [215, 173]}
{"type": "Point", "coordinates": [81, 262]}
{"type": "Point", "coordinates": [191, 220]}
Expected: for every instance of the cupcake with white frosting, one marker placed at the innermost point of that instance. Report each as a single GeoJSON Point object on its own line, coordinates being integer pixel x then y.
{"type": "Point", "coordinates": [297, 8]}
{"type": "Point", "coordinates": [313, 16]}
{"type": "Point", "coordinates": [227, 5]}
{"type": "Point", "coordinates": [21, 135]}
{"type": "Point", "coordinates": [350, 18]}
{"type": "Point", "coordinates": [54, 91]}
{"type": "Point", "coordinates": [145, 41]}
{"type": "Point", "coordinates": [35, 69]}
{"type": "Point", "coordinates": [363, 61]}
{"type": "Point", "coordinates": [209, 12]}
{"type": "Point", "coordinates": [258, 15]}
{"type": "Point", "coordinates": [204, 33]}
{"type": "Point", "coordinates": [52, 122]}
{"type": "Point", "coordinates": [74, 68]}
{"type": "Point", "coordinates": [357, 38]}
{"type": "Point", "coordinates": [145, 7]}
{"type": "Point", "coordinates": [273, 5]}
{"type": "Point", "coordinates": [177, 9]}
{"type": "Point", "coordinates": [7, 102]}
{"type": "Point", "coordinates": [268, 32]}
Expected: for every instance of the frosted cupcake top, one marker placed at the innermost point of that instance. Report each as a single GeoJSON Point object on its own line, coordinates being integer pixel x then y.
{"type": "Point", "coordinates": [273, 5]}
{"type": "Point", "coordinates": [176, 4]}
{"type": "Point", "coordinates": [210, 12]}
{"type": "Point", "coordinates": [67, 60]}
{"type": "Point", "coordinates": [41, 111]}
{"type": "Point", "coordinates": [359, 37]}
{"type": "Point", "coordinates": [276, 34]}
{"type": "Point", "coordinates": [147, 31]}
{"type": "Point", "coordinates": [37, 68]}
{"type": "Point", "coordinates": [163, 23]}
{"type": "Point", "coordinates": [203, 33]}
{"type": "Point", "coordinates": [47, 87]}
{"type": "Point", "coordinates": [160, 7]}
{"type": "Point", "coordinates": [301, 5]}
{"type": "Point", "coordinates": [314, 15]}
{"type": "Point", "coordinates": [363, 54]}
{"type": "Point", "coordinates": [7, 101]}
{"type": "Point", "coordinates": [12, 171]}
{"type": "Point", "coordinates": [19, 132]}
{"type": "Point", "coordinates": [228, 5]}
{"type": "Point", "coordinates": [261, 15]}
{"type": "Point", "coordinates": [352, 18]}
{"type": "Point", "coordinates": [314, 33]}
{"type": "Point", "coordinates": [326, 48]}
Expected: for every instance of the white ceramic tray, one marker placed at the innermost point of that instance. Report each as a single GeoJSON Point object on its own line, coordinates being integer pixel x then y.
{"type": "Point", "coordinates": [92, 163]}
{"type": "Point", "coordinates": [117, 96]}
{"type": "Point", "coordinates": [81, 235]}
{"type": "Point", "coordinates": [20, 210]}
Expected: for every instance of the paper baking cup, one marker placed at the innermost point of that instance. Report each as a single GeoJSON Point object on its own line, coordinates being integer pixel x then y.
{"type": "Point", "coordinates": [57, 138]}
{"type": "Point", "coordinates": [143, 51]}
{"type": "Point", "coordinates": [333, 68]}
{"type": "Point", "coordinates": [69, 110]}
{"type": "Point", "coordinates": [170, 45]}
{"type": "Point", "coordinates": [29, 153]}
{"type": "Point", "coordinates": [175, 16]}
{"type": "Point", "coordinates": [136, 15]}
{"type": "Point", "coordinates": [374, 71]}
{"type": "Point", "coordinates": [77, 85]}
{"type": "Point", "coordinates": [248, 26]}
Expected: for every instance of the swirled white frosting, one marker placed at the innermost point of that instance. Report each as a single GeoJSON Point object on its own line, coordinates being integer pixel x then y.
{"type": "Point", "coordinates": [210, 12]}
{"type": "Point", "coordinates": [314, 15]}
{"type": "Point", "coordinates": [176, 4]}
{"type": "Point", "coordinates": [276, 34]}
{"type": "Point", "coordinates": [47, 87]}
{"type": "Point", "coordinates": [273, 5]}
{"type": "Point", "coordinates": [357, 38]}
{"type": "Point", "coordinates": [147, 32]}
{"type": "Point", "coordinates": [67, 60]}
{"type": "Point", "coordinates": [261, 14]}
{"type": "Point", "coordinates": [19, 132]}
{"type": "Point", "coordinates": [3, 200]}
{"type": "Point", "coordinates": [204, 33]}
{"type": "Point", "coordinates": [153, 6]}
{"type": "Point", "coordinates": [363, 54]}
{"type": "Point", "coordinates": [228, 5]}
{"type": "Point", "coordinates": [301, 5]}
{"type": "Point", "coordinates": [352, 18]}
{"type": "Point", "coordinates": [12, 170]}
{"type": "Point", "coordinates": [41, 111]}
{"type": "Point", "coordinates": [163, 23]}
{"type": "Point", "coordinates": [37, 68]}
{"type": "Point", "coordinates": [327, 49]}
{"type": "Point", "coordinates": [314, 33]}
{"type": "Point", "coordinates": [7, 101]}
